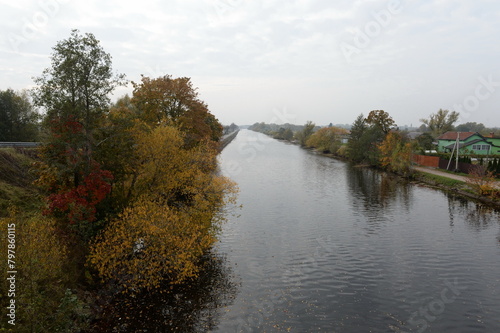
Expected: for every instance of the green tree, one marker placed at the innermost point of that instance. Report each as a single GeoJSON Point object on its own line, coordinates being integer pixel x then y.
{"type": "Point", "coordinates": [471, 127]}
{"type": "Point", "coordinates": [355, 146]}
{"type": "Point", "coordinates": [306, 132]}
{"type": "Point", "coordinates": [19, 120]}
{"type": "Point", "coordinates": [425, 141]}
{"type": "Point", "coordinates": [79, 82]}
{"type": "Point", "coordinates": [366, 136]}
{"type": "Point", "coordinates": [370, 140]}
{"type": "Point", "coordinates": [288, 134]}
{"type": "Point", "coordinates": [441, 121]}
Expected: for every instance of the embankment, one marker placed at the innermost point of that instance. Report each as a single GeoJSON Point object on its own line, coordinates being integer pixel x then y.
{"type": "Point", "coordinates": [226, 139]}
{"type": "Point", "coordinates": [16, 180]}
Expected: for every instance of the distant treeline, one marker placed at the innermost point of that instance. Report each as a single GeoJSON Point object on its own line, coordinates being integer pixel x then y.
{"type": "Point", "coordinates": [281, 132]}
{"type": "Point", "coordinates": [374, 140]}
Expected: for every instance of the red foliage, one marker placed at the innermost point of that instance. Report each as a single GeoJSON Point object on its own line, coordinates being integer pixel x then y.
{"type": "Point", "coordinates": [79, 204]}
{"type": "Point", "coordinates": [60, 127]}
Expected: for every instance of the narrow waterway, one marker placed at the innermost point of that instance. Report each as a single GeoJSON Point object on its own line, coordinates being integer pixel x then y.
{"type": "Point", "coordinates": [320, 245]}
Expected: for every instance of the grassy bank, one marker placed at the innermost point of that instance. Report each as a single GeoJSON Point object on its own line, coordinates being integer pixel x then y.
{"type": "Point", "coordinates": [456, 187]}
{"type": "Point", "coordinates": [447, 184]}
{"type": "Point", "coordinates": [16, 180]}
{"type": "Point", "coordinates": [441, 180]}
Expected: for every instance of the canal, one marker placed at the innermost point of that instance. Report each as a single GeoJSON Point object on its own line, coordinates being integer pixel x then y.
{"type": "Point", "coordinates": [321, 246]}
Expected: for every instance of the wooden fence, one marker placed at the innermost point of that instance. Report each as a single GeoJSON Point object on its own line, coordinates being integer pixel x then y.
{"type": "Point", "coordinates": [442, 163]}
{"type": "Point", "coordinates": [424, 160]}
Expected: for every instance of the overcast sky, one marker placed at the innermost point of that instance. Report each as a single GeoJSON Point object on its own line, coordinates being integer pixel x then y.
{"type": "Point", "coordinates": [282, 61]}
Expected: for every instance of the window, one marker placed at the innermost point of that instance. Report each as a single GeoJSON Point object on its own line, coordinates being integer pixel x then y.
{"type": "Point", "coordinates": [480, 147]}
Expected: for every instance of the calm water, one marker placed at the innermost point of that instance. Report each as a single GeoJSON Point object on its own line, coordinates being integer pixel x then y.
{"type": "Point", "coordinates": [321, 246]}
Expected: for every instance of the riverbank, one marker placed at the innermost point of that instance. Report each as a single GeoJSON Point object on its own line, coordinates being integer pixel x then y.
{"type": "Point", "coordinates": [226, 139]}
{"type": "Point", "coordinates": [448, 182]}
{"type": "Point", "coordinates": [452, 183]}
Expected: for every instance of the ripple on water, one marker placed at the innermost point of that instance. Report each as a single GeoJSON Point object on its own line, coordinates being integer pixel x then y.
{"type": "Point", "coordinates": [350, 250]}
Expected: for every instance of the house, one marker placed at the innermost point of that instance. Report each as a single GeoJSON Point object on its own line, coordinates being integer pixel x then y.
{"type": "Point", "coordinates": [470, 143]}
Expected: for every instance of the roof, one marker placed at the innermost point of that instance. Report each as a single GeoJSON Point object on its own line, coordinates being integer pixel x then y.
{"type": "Point", "coordinates": [461, 145]}
{"type": "Point", "coordinates": [453, 135]}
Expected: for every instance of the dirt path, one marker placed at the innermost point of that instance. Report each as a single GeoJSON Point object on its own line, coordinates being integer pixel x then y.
{"type": "Point", "coordinates": [440, 173]}
{"type": "Point", "coordinates": [445, 174]}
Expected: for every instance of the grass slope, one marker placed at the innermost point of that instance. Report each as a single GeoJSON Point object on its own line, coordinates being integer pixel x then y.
{"type": "Point", "coordinates": [16, 181]}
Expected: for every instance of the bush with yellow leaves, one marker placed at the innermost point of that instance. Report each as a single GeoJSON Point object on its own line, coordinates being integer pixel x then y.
{"type": "Point", "coordinates": [173, 217]}
{"type": "Point", "coordinates": [41, 279]}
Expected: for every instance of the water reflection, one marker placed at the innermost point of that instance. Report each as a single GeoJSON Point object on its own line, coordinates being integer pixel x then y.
{"type": "Point", "coordinates": [375, 189]}
{"type": "Point", "coordinates": [478, 216]}
{"type": "Point", "coordinates": [376, 195]}
{"type": "Point", "coordinates": [323, 246]}
{"type": "Point", "coordinates": [196, 307]}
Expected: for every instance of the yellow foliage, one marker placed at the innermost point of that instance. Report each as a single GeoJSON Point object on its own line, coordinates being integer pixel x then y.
{"type": "Point", "coordinates": [173, 217]}
{"type": "Point", "coordinates": [39, 259]}
{"type": "Point", "coordinates": [484, 182]}
{"type": "Point", "coordinates": [327, 139]}
{"type": "Point", "coordinates": [395, 154]}
{"type": "Point", "coordinates": [150, 242]}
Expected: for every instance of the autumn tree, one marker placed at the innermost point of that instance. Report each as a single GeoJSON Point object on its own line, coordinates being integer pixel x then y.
{"type": "Point", "coordinates": [43, 275]}
{"type": "Point", "coordinates": [440, 122]}
{"type": "Point", "coordinates": [19, 121]}
{"type": "Point", "coordinates": [303, 135]}
{"type": "Point", "coordinates": [483, 182]}
{"type": "Point", "coordinates": [396, 153]}
{"type": "Point", "coordinates": [74, 93]}
{"type": "Point", "coordinates": [381, 119]}
{"type": "Point", "coordinates": [175, 101]}
{"type": "Point", "coordinates": [171, 196]}
{"type": "Point", "coordinates": [327, 139]}
{"type": "Point", "coordinates": [172, 219]}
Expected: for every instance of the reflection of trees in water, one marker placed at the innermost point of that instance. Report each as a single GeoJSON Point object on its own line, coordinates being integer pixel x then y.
{"type": "Point", "coordinates": [478, 216]}
{"type": "Point", "coordinates": [374, 194]}
{"type": "Point", "coordinates": [185, 308]}
{"type": "Point", "coordinates": [374, 189]}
